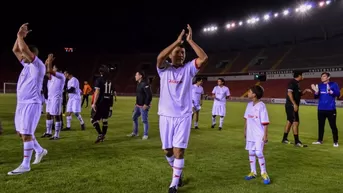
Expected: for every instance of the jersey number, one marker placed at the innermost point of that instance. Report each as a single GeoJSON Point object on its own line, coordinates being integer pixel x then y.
{"type": "Point", "coordinates": [108, 88]}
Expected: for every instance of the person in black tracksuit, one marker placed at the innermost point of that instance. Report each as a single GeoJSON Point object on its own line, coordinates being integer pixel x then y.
{"type": "Point", "coordinates": [102, 102]}
{"type": "Point", "coordinates": [326, 93]}
{"type": "Point", "coordinates": [293, 98]}
{"type": "Point", "coordinates": [143, 102]}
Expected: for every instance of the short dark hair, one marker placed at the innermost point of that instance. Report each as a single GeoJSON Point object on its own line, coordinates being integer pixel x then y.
{"type": "Point", "coordinates": [142, 73]}
{"type": "Point", "coordinates": [67, 71]}
{"type": "Point", "coordinates": [104, 69]}
{"type": "Point", "coordinates": [222, 79]}
{"type": "Point", "coordinates": [258, 91]}
{"type": "Point", "coordinates": [326, 73]}
{"type": "Point", "coordinates": [33, 49]}
{"type": "Point", "coordinates": [198, 79]}
{"type": "Point", "coordinates": [296, 74]}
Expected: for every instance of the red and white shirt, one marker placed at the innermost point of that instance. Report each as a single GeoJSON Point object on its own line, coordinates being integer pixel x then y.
{"type": "Point", "coordinates": [256, 118]}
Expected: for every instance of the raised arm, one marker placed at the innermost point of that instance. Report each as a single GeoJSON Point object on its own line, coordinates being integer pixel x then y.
{"type": "Point", "coordinates": [17, 51]}
{"type": "Point", "coordinates": [48, 63]}
{"type": "Point", "coordinates": [202, 56]}
{"type": "Point", "coordinates": [162, 57]}
{"type": "Point", "coordinates": [23, 48]}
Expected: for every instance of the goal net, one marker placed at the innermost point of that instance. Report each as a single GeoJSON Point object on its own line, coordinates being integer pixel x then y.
{"type": "Point", "coordinates": [10, 87]}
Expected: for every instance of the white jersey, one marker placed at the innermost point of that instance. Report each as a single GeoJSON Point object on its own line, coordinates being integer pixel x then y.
{"type": "Point", "coordinates": [256, 117]}
{"type": "Point", "coordinates": [76, 95]}
{"type": "Point", "coordinates": [197, 91]}
{"type": "Point", "coordinates": [30, 82]}
{"type": "Point", "coordinates": [175, 89]}
{"type": "Point", "coordinates": [220, 95]}
{"type": "Point", "coordinates": [56, 85]}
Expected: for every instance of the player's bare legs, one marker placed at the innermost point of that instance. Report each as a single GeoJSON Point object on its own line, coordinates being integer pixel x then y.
{"type": "Point", "coordinates": [68, 118]}
{"type": "Point", "coordinates": [49, 122]}
{"type": "Point", "coordinates": [29, 144]}
{"type": "Point", "coordinates": [58, 126]}
{"type": "Point", "coordinates": [175, 158]}
{"type": "Point", "coordinates": [286, 131]}
{"type": "Point", "coordinates": [296, 135]}
{"type": "Point", "coordinates": [213, 121]}
{"type": "Point", "coordinates": [196, 119]}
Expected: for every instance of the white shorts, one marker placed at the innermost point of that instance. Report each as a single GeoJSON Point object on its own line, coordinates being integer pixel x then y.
{"type": "Point", "coordinates": [175, 132]}
{"type": "Point", "coordinates": [74, 106]}
{"type": "Point", "coordinates": [27, 117]}
{"type": "Point", "coordinates": [254, 146]}
{"type": "Point", "coordinates": [54, 106]}
{"type": "Point", "coordinates": [196, 107]}
{"type": "Point", "coordinates": [219, 110]}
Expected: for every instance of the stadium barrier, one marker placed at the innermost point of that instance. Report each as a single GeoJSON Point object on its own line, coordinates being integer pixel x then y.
{"type": "Point", "coordinates": [307, 102]}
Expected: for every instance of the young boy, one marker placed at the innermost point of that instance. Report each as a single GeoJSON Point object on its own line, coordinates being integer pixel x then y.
{"type": "Point", "coordinates": [256, 132]}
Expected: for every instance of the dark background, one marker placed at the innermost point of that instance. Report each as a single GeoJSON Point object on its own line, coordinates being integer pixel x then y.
{"type": "Point", "coordinates": [119, 26]}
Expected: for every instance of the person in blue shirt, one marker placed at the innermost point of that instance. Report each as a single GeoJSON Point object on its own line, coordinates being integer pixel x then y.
{"type": "Point", "coordinates": [326, 93]}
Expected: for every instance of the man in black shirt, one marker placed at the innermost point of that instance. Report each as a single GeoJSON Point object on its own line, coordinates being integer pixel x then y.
{"type": "Point", "coordinates": [293, 98]}
{"type": "Point", "coordinates": [102, 102]}
{"type": "Point", "coordinates": [143, 101]}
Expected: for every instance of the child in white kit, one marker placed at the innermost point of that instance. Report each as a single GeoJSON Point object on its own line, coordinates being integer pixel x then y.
{"type": "Point", "coordinates": [256, 132]}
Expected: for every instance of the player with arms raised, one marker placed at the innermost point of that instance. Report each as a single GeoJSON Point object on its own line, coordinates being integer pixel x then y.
{"type": "Point", "coordinates": [102, 102]}
{"type": "Point", "coordinates": [74, 100]}
{"type": "Point", "coordinates": [219, 94]}
{"type": "Point", "coordinates": [256, 132]}
{"type": "Point", "coordinates": [54, 105]}
{"type": "Point", "coordinates": [29, 104]}
{"type": "Point", "coordinates": [175, 104]}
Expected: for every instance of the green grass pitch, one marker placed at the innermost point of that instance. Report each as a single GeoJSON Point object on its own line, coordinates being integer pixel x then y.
{"type": "Point", "coordinates": [216, 161]}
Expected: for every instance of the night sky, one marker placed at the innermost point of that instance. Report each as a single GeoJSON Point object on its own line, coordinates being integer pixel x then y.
{"type": "Point", "coordinates": [123, 27]}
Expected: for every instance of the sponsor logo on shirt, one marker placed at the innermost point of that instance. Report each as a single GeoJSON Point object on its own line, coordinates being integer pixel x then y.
{"type": "Point", "coordinates": [175, 81]}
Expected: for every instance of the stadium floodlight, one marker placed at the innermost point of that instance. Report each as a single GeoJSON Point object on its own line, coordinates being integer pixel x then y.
{"type": "Point", "coordinates": [233, 25]}
{"type": "Point", "coordinates": [240, 23]}
{"type": "Point", "coordinates": [210, 29]}
{"type": "Point", "coordinates": [253, 20]}
{"type": "Point", "coordinates": [285, 12]}
{"type": "Point", "coordinates": [328, 2]}
{"type": "Point", "coordinates": [276, 14]}
{"type": "Point", "coordinates": [321, 4]}
{"type": "Point", "coordinates": [303, 8]}
{"type": "Point", "coordinates": [228, 26]}
{"type": "Point", "coordinates": [266, 17]}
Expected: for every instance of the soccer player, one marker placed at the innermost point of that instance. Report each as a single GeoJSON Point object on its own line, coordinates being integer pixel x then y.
{"type": "Point", "coordinates": [292, 108]}
{"type": "Point", "coordinates": [74, 100]}
{"type": "Point", "coordinates": [86, 91]}
{"type": "Point", "coordinates": [197, 94]}
{"type": "Point", "coordinates": [220, 93]}
{"type": "Point", "coordinates": [256, 132]}
{"type": "Point", "coordinates": [326, 92]}
{"type": "Point", "coordinates": [54, 104]}
{"type": "Point", "coordinates": [143, 101]}
{"type": "Point", "coordinates": [29, 104]}
{"type": "Point", "coordinates": [102, 102]}
{"type": "Point", "coordinates": [175, 104]}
